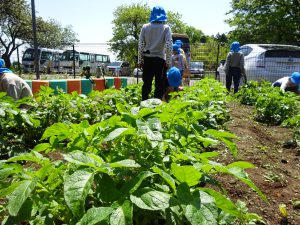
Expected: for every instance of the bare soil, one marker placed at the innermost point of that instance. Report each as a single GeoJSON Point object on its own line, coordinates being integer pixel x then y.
{"type": "Point", "coordinates": [277, 161]}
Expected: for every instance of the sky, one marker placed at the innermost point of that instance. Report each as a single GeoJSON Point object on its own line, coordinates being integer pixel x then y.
{"type": "Point", "coordinates": [92, 19]}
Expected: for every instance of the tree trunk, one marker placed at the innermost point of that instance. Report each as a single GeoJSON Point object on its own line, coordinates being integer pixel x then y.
{"type": "Point", "coordinates": [6, 59]}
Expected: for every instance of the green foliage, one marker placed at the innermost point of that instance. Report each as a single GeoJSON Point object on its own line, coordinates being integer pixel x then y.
{"type": "Point", "coordinates": [16, 29]}
{"type": "Point", "coordinates": [262, 21]}
{"type": "Point", "coordinates": [272, 105]}
{"type": "Point", "coordinates": [129, 164]}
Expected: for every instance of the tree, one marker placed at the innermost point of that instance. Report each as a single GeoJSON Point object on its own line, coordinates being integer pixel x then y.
{"type": "Point", "coordinates": [269, 21]}
{"type": "Point", "coordinates": [16, 29]}
{"type": "Point", "coordinates": [194, 34]}
{"type": "Point", "coordinates": [128, 21]}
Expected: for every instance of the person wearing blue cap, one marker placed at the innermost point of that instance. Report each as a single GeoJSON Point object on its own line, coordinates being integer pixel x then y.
{"type": "Point", "coordinates": [234, 67]}
{"type": "Point", "coordinates": [154, 52]}
{"type": "Point", "coordinates": [174, 82]}
{"type": "Point", "coordinates": [185, 72]}
{"type": "Point", "coordinates": [291, 83]}
{"type": "Point", "coordinates": [177, 59]}
{"type": "Point", "coordinates": [12, 84]}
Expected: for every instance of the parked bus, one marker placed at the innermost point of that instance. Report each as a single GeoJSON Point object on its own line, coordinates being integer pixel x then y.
{"type": "Point", "coordinates": [83, 59]}
{"type": "Point", "coordinates": [49, 60]}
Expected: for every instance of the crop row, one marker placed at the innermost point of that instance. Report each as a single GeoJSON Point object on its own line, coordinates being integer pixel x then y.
{"type": "Point", "coordinates": [109, 159]}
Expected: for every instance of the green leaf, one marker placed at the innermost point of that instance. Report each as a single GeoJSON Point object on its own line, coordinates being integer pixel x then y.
{"type": "Point", "coordinates": [146, 112]}
{"type": "Point", "coordinates": [122, 215]}
{"type": "Point", "coordinates": [84, 158]}
{"type": "Point", "coordinates": [220, 134]}
{"type": "Point", "coordinates": [125, 163]}
{"type": "Point", "coordinates": [132, 185]}
{"type": "Point", "coordinates": [115, 133]}
{"type": "Point", "coordinates": [202, 210]}
{"type": "Point", "coordinates": [95, 216]}
{"type": "Point", "coordinates": [59, 129]}
{"type": "Point", "coordinates": [20, 195]}
{"type": "Point", "coordinates": [149, 199]}
{"type": "Point", "coordinates": [187, 174]}
{"type": "Point", "coordinates": [23, 215]}
{"type": "Point", "coordinates": [222, 202]}
{"type": "Point", "coordinates": [167, 177]}
{"type": "Point", "coordinates": [41, 147]}
{"type": "Point", "coordinates": [106, 188]}
{"type": "Point", "coordinates": [240, 164]}
{"type": "Point", "coordinates": [76, 188]}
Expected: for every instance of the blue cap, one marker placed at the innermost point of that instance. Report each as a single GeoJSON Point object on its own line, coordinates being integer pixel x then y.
{"type": "Point", "coordinates": [174, 77]}
{"type": "Point", "coordinates": [179, 43]}
{"type": "Point", "coordinates": [295, 78]}
{"type": "Point", "coordinates": [176, 48]}
{"type": "Point", "coordinates": [158, 14]}
{"type": "Point", "coordinates": [235, 46]}
{"type": "Point", "coordinates": [3, 70]}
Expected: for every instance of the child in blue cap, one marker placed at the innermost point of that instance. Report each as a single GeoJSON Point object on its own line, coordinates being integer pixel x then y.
{"type": "Point", "coordinates": [177, 59]}
{"type": "Point", "coordinates": [174, 81]}
{"type": "Point", "coordinates": [13, 85]}
{"type": "Point", "coordinates": [291, 83]}
{"type": "Point", "coordinates": [154, 52]}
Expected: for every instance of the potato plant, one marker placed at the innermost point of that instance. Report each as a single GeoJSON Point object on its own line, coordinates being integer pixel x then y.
{"type": "Point", "coordinates": [147, 163]}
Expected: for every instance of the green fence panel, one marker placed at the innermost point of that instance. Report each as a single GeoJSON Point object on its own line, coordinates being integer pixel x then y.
{"type": "Point", "coordinates": [58, 84]}
{"type": "Point", "coordinates": [86, 86]}
{"type": "Point", "coordinates": [109, 82]}
{"type": "Point", "coordinates": [29, 82]}
{"type": "Point", "coordinates": [124, 82]}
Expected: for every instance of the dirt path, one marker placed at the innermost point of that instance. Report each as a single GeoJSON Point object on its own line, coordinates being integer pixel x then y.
{"type": "Point", "coordinates": [278, 166]}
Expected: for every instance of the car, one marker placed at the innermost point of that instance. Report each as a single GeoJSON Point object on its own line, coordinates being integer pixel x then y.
{"type": "Point", "coordinates": [267, 61]}
{"type": "Point", "coordinates": [137, 72]}
{"type": "Point", "coordinates": [197, 69]}
{"type": "Point", "coordinates": [119, 68]}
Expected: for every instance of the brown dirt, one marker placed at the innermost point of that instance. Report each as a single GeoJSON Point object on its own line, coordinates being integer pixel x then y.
{"type": "Point", "coordinates": [277, 167]}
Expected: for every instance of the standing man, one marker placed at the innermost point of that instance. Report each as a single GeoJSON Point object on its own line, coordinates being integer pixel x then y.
{"type": "Point", "coordinates": [155, 50]}
{"type": "Point", "coordinates": [12, 84]}
{"type": "Point", "coordinates": [234, 67]}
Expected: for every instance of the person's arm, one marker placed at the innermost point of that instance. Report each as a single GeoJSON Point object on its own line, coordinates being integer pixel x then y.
{"type": "Point", "coordinates": [227, 64]}
{"type": "Point", "coordinates": [141, 48]}
{"type": "Point", "coordinates": [168, 47]}
{"type": "Point", "coordinates": [284, 85]}
{"type": "Point", "coordinates": [242, 64]}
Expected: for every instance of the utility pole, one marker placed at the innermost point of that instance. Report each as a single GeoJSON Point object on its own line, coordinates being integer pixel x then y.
{"type": "Point", "coordinates": [36, 56]}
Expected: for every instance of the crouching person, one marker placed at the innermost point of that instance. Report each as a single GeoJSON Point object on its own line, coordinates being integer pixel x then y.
{"type": "Point", "coordinates": [291, 83]}
{"type": "Point", "coordinates": [12, 84]}
{"type": "Point", "coordinates": [174, 82]}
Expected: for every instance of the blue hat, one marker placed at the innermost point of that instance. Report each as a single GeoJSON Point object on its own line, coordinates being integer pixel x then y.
{"type": "Point", "coordinates": [176, 48]}
{"type": "Point", "coordinates": [179, 43]}
{"type": "Point", "coordinates": [158, 14]}
{"type": "Point", "coordinates": [295, 78]}
{"type": "Point", "coordinates": [235, 46]}
{"type": "Point", "coordinates": [3, 70]}
{"type": "Point", "coordinates": [174, 77]}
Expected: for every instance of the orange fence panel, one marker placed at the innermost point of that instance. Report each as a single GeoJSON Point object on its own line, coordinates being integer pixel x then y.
{"type": "Point", "coordinates": [74, 85]}
{"type": "Point", "coordinates": [37, 83]}
{"type": "Point", "coordinates": [118, 83]}
{"type": "Point", "coordinates": [99, 84]}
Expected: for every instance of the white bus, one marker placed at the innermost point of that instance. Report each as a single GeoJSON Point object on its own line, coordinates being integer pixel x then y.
{"type": "Point", "coordinates": [49, 60]}
{"type": "Point", "coordinates": [83, 59]}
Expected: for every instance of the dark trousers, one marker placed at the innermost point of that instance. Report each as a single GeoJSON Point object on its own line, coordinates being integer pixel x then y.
{"type": "Point", "coordinates": [235, 74]}
{"type": "Point", "coordinates": [154, 67]}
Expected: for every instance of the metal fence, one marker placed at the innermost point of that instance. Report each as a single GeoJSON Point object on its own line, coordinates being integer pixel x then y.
{"type": "Point", "coordinates": [262, 62]}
